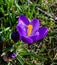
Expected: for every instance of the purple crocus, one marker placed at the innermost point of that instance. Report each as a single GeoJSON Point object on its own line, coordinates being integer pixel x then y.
{"type": "Point", "coordinates": [30, 31]}
{"type": "Point", "coordinates": [13, 55]}
{"type": "Point", "coordinates": [15, 36]}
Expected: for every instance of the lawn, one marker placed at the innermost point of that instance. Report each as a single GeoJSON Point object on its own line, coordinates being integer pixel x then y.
{"type": "Point", "coordinates": [41, 52]}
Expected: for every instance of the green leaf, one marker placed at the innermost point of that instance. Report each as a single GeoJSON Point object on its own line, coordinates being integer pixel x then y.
{"type": "Point", "coordinates": [9, 63]}
{"type": "Point", "coordinates": [20, 59]}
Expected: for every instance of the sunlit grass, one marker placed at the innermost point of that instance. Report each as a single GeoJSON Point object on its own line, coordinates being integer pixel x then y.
{"type": "Point", "coordinates": [40, 53]}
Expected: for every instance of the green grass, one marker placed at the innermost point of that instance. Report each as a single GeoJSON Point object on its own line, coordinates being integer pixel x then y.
{"type": "Point", "coordinates": [39, 53]}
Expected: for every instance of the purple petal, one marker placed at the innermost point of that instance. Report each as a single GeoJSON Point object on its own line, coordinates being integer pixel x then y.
{"type": "Point", "coordinates": [42, 32]}
{"type": "Point", "coordinates": [35, 37]}
{"type": "Point", "coordinates": [23, 20]}
{"type": "Point", "coordinates": [13, 55]}
{"type": "Point", "coordinates": [26, 39]}
{"type": "Point", "coordinates": [36, 25]}
{"type": "Point", "coordinates": [21, 29]}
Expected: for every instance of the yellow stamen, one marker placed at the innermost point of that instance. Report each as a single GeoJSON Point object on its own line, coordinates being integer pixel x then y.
{"type": "Point", "coordinates": [30, 27]}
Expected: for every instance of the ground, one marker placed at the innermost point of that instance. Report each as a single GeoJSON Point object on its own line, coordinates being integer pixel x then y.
{"type": "Point", "coordinates": [43, 52]}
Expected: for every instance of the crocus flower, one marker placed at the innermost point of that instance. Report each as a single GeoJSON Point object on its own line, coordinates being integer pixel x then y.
{"type": "Point", "coordinates": [30, 31]}
{"type": "Point", "coordinates": [9, 56]}
{"type": "Point", "coordinates": [15, 36]}
{"type": "Point", "coordinates": [13, 55]}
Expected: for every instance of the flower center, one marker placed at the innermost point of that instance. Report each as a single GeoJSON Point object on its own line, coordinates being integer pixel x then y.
{"type": "Point", "coordinates": [30, 27]}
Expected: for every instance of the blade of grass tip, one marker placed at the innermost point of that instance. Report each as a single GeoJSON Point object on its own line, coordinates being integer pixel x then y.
{"type": "Point", "coordinates": [7, 29]}
{"type": "Point", "coordinates": [9, 63]}
{"type": "Point", "coordinates": [29, 2]}
{"type": "Point", "coordinates": [19, 58]}
{"type": "Point", "coordinates": [4, 30]}
{"type": "Point", "coordinates": [1, 32]}
{"type": "Point", "coordinates": [17, 5]}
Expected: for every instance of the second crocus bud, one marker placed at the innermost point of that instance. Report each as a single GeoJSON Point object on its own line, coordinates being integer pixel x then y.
{"type": "Point", "coordinates": [15, 36]}
{"type": "Point", "coordinates": [13, 55]}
